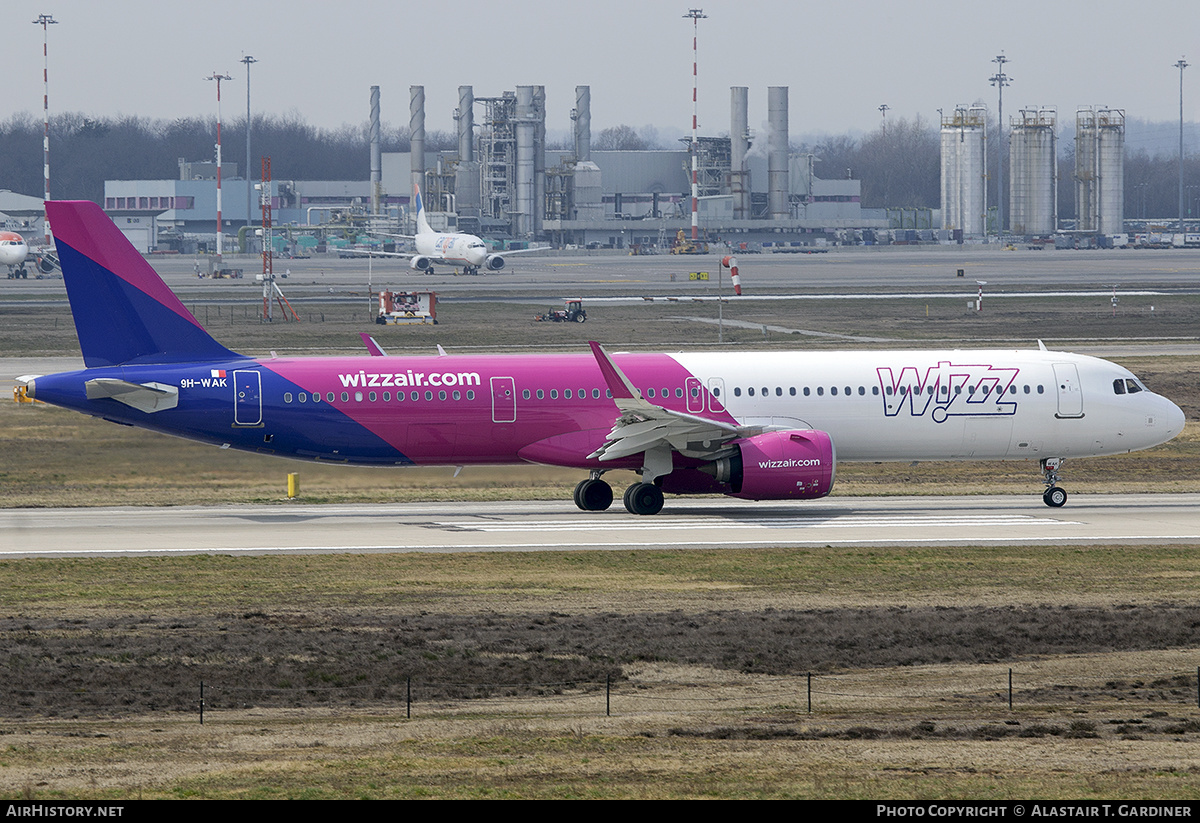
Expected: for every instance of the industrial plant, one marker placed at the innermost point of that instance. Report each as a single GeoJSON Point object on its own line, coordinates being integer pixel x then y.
{"type": "Point", "coordinates": [503, 182]}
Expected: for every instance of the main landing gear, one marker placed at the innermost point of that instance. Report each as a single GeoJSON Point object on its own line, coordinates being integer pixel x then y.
{"type": "Point", "coordinates": [643, 498]}
{"type": "Point", "coordinates": [593, 494]}
{"type": "Point", "coordinates": [1054, 496]}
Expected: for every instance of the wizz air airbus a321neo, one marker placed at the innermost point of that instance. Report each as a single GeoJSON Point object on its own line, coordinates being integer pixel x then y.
{"type": "Point", "coordinates": [759, 426]}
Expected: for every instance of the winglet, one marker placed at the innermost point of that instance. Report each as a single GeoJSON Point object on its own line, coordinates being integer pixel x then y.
{"type": "Point", "coordinates": [618, 383]}
{"type": "Point", "coordinates": [373, 348]}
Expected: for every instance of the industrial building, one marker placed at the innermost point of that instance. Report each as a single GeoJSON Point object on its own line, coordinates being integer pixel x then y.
{"type": "Point", "coordinates": [503, 181]}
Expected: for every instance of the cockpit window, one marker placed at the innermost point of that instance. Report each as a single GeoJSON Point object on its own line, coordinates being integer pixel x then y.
{"type": "Point", "coordinates": [1133, 386]}
{"type": "Point", "coordinates": [1127, 385]}
{"type": "Point", "coordinates": [1119, 386]}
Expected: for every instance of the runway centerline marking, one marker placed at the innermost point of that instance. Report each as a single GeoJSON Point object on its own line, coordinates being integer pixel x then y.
{"type": "Point", "coordinates": [594, 524]}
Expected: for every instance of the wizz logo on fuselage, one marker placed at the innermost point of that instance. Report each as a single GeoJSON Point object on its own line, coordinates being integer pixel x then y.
{"type": "Point", "coordinates": [948, 390]}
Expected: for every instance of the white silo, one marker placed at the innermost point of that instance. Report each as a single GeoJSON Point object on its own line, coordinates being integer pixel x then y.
{"type": "Point", "coordinates": [1033, 176]}
{"type": "Point", "coordinates": [964, 170]}
{"type": "Point", "coordinates": [1100, 170]}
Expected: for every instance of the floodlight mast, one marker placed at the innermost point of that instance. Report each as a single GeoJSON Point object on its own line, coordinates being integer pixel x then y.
{"type": "Point", "coordinates": [45, 20]}
{"type": "Point", "coordinates": [696, 16]}
{"type": "Point", "coordinates": [219, 77]}
{"type": "Point", "coordinates": [1000, 80]}
{"type": "Point", "coordinates": [248, 60]}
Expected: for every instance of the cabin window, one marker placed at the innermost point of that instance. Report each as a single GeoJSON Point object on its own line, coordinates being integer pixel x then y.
{"type": "Point", "coordinates": [679, 392]}
{"type": "Point", "coordinates": [399, 397]}
{"type": "Point", "coordinates": [695, 392]}
{"type": "Point", "coordinates": [779, 391]}
{"type": "Point", "coordinates": [525, 394]}
{"type": "Point", "coordinates": [820, 391]}
{"type": "Point", "coordinates": [428, 395]}
{"type": "Point", "coordinates": [372, 397]}
{"type": "Point", "coordinates": [387, 395]}
{"type": "Point", "coordinates": [442, 395]}
{"type": "Point", "coordinates": [316, 398]}
{"type": "Point", "coordinates": [847, 391]}
{"type": "Point", "coordinates": [833, 391]}
{"type": "Point", "coordinates": [737, 391]}
{"type": "Point", "coordinates": [595, 394]}
{"type": "Point", "coordinates": [792, 391]}
{"type": "Point", "coordinates": [345, 397]}
{"type": "Point", "coordinates": [1041, 390]}
{"type": "Point", "coordinates": [806, 391]}
{"type": "Point", "coordinates": [457, 395]}
{"type": "Point", "coordinates": [541, 395]}
{"type": "Point", "coordinates": [567, 394]}
{"type": "Point", "coordinates": [304, 397]}
{"type": "Point", "coordinates": [287, 397]}
{"type": "Point", "coordinates": [862, 391]}
{"type": "Point", "coordinates": [749, 391]}
{"type": "Point", "coordinates": [649, 392]}
{"type": "Point", "coordinates": [554, 394]}
{"type": "Point", "coordinates": [358, 397]}
{"type": "Point", "coordinates": [875, 390]}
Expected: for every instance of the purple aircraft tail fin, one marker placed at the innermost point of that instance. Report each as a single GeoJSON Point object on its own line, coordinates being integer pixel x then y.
{"type": "Point", "coordinates": [124, 312]}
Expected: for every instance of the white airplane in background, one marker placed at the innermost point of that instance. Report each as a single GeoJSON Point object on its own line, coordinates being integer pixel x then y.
{"type": "Point", "coordinates": [13, 251]}
{"type": "Point", "coordinates": [450, 248]}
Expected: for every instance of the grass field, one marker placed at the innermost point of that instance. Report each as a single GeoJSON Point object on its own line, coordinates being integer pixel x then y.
{"type": "Point", "coordinates": [305, 658]}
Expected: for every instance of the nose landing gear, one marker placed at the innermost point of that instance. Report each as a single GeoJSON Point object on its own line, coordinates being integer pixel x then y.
{"type": "Point", "coordinates": [1054, 496]}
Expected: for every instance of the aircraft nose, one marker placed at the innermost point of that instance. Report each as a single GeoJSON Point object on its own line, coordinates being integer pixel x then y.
{"type": "Point", "coordinates": [1173, 418]}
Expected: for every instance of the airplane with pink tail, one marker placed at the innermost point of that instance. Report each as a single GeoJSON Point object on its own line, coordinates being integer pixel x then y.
{"type": "Point", "coordinates": [760, 426]}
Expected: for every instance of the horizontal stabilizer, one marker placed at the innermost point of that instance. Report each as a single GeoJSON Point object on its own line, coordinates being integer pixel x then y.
{"type": "Point", "coordinates": [145, 397]}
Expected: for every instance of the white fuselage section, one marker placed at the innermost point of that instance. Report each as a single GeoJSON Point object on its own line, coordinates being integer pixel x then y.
{"type": "Point", "coordinates": [454, 249]}
{"type": "Point", "coordinates": [941, 405]}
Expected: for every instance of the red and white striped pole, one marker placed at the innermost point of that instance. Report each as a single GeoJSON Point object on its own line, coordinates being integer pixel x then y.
{"type": "Point", "coordinates": [220, 225]}
{"type": "Point", "coordinates": [696, 15]}
{"type": "Point", "coordinates": [45, 20]}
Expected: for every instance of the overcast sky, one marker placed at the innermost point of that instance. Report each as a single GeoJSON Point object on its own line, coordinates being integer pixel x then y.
{"type": "Point", "coordinates": [841, 60]}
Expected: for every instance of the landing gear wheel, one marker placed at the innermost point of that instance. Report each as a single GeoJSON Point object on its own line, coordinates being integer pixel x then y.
{"type": "Point", "coordinates": [593, 495]}
{"type": "Point", "coordinates": [1055, 497]}
{"type": "Point", "coordinates": [643, 498]}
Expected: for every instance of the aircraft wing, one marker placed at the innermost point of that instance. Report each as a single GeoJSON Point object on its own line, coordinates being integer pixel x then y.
{"type": "Point", "coordinates": [643, 426]}
{"type": "Point", "coordinates": [523, 251]}
{"type": "Point", "coordinates": [368, 253]}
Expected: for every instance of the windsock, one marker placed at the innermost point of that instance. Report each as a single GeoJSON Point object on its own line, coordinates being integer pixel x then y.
{"type": "Point", "coordinates": [731, 264]}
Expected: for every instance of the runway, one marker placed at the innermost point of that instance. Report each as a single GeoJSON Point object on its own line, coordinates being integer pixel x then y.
{"type": "Point", "coordinates": [558, 525]}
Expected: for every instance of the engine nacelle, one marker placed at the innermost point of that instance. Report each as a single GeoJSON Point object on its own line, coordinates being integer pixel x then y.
{"type": "Point", "coordinates": [780, 465]}
{"type": "Point", "coordinates": [421, 263]}
{"type": "Point", "coordinates": [495, 262]}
